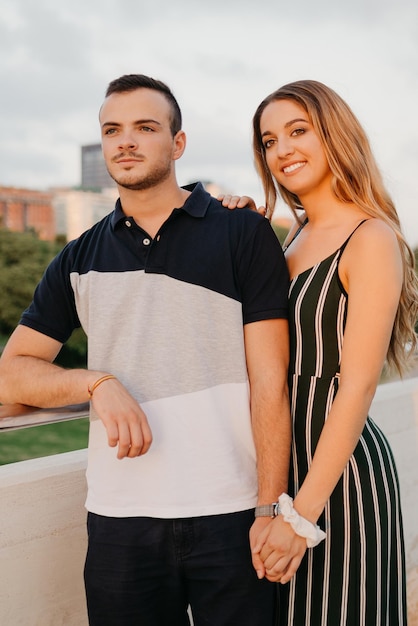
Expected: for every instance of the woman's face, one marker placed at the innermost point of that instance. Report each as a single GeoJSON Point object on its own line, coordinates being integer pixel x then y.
{"type": "Point", "coordinates": [294, 152]}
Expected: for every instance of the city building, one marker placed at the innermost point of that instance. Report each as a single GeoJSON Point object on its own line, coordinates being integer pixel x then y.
{"type": "Point", "coordinates": [77, 210]}
{"type": "Point", "coordinates": [94, 175]}
{"type": "Point", "coordinates": [25, 209]}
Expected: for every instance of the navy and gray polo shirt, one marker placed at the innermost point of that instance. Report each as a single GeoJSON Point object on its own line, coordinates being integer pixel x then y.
{"type": "Point", "coordinates": [166, 316]}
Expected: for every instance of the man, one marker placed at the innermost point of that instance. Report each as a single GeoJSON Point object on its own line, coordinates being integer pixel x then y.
{"type": "Point", "coordinates": [184, 304]}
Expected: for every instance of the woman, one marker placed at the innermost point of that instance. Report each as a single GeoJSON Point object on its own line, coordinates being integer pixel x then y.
{"type": "Point", "coordinates": [353, 301]}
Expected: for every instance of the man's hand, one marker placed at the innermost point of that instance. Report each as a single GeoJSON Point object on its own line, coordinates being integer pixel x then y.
{"type": "Point", "coordinates": [125, 422]}
{"type": "Point", "coordinates": [280, 550]}
{"type": "Point", "coordinates": [259, 525]}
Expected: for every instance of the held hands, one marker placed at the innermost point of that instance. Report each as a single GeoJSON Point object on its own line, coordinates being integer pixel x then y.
{"type": "Point", "coordinates": [240, 202]}
{"type": "Point", "coordinates": [276, 549]}
{"type": "Point", "coordinates": [125, 422]}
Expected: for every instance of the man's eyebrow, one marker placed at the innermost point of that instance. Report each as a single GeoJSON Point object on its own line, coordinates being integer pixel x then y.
{"type": "Point", "coordinates": [110, 124]}
{"type": "Point", "coordinates": [136, 123]}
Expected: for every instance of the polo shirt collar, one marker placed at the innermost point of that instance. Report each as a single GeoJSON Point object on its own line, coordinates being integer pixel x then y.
{"type": "Point", "coordinates": [196, 204]}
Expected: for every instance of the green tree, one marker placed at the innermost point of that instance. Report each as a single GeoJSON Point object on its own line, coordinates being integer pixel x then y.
{"type": "Point", "coordinates": [280, 231]}
{"type": "Point", "coordinates": [23, 259]}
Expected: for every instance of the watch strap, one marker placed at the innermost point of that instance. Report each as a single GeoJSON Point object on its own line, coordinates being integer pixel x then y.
{"type": "Point", "coordinates": [267, 510]}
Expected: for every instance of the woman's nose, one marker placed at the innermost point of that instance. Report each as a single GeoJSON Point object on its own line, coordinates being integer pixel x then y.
{"type": "Point", "coordinates": [284, 147]}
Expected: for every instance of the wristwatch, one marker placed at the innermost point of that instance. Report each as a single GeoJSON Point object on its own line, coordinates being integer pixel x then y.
{"type": "Point", "coordinates": [267, 510]}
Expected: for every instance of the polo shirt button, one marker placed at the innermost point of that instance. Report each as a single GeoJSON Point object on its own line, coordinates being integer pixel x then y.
{"type": "Point", "coordinates": [128, 223]}
{"type": "Point", "coordinates": [146, 241]}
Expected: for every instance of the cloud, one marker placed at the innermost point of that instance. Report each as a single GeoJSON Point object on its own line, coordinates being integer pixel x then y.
{"type": "Point", "coordinates": [220, 58]}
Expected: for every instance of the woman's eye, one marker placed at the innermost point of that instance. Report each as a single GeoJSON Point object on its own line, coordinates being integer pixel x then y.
{"type": "Point", "coordinates": [298, 131]}
{"type": "Point", "coordinates": [268, 143]}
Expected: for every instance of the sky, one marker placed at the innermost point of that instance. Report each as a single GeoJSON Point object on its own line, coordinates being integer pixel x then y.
{"type": "Point", "coordinates": [220, 58]}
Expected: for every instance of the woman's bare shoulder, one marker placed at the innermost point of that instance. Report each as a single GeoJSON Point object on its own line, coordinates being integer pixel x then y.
{"type": "Point", "coordinates": [374, 232]}
{"type": "Point", "coordinates": [373, 247]}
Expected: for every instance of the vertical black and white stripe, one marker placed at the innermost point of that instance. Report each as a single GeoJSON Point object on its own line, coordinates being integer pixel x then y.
{"type": "Point", "coordinates": [356, 577]}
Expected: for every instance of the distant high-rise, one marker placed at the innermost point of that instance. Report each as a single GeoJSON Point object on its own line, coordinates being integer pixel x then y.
{"type": "Point", "coordinates": [94, 174]}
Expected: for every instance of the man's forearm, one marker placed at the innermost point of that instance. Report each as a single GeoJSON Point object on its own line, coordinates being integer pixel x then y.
{"type": "Point", "coordinates": [272, 437]}
{"type": "Point", "coordinates": [28, 374]}
{"type": "Point", "coordinates": [267, 353]}
{"type": "Point", "coordinates": [35, 382]}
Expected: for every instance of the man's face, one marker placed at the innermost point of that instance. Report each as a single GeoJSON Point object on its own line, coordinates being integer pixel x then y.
{"type": "Point", "coordinates": [138, 147]}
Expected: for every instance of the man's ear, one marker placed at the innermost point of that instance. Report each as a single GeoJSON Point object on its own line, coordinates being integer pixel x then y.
{"type": "Point", "coordinates": [179, 144]}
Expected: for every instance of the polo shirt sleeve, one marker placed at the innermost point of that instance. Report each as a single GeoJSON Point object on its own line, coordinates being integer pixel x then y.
{"type": "Point", "coordinates": [52, 311]}
{"type": "Point", "coordinates": [263, 275]}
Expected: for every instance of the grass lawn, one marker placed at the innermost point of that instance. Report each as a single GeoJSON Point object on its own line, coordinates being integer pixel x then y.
{"type": "Point", "coordinates": [37, 441]}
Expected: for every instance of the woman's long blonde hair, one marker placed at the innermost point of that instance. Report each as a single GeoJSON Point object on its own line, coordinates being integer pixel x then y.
{"type": "Point", "coordinates": [356, 179]}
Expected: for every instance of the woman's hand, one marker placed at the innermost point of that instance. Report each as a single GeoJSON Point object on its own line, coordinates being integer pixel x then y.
{"type": "Point", "coordinates": [279, 549]}
{"type": "Point", "coordinates": [240, 202]}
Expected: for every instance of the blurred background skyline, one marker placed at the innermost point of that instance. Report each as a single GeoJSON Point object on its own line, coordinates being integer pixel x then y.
{"type": "Point", "coordinates": [220, 59]}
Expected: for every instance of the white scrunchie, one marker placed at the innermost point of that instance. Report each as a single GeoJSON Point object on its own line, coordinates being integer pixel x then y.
{"type": "Point", "coordinates": [302, 527]}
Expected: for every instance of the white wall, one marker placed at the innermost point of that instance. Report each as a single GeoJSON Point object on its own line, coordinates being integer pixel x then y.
{"type": "Point", "coordinates": [43, 541]}
{"type": "Point", "coordinates": [395, 410]}
{"type": "Point", "coordinates": [42, 522]}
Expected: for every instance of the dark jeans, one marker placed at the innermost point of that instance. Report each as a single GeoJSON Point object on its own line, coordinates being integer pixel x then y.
{"type": "Point", "coordinates": [145, 572]}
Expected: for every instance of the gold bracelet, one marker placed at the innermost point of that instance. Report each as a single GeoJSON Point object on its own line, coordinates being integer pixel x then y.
{"type": "Point", "coordinates": [99, 382]}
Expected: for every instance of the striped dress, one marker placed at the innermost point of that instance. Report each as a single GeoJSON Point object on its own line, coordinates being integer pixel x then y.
{"type": "Point", "coordinates": [356, 577]}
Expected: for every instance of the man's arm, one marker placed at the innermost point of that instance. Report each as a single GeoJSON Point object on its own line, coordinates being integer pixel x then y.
{"type": "Point", "coordinates": [267, 353]}
{"type": "Point", "coordinates": [29, 376]}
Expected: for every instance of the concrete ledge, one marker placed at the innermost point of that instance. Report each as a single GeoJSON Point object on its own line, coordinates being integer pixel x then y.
{"type": "Point", "coordinates": [395, 410]}
{"type": "Point", "coordinates": [43, 541]}
{"type": "Point", "coordinates": [43, 535]}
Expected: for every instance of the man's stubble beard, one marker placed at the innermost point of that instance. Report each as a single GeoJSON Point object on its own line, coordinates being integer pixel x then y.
{"type": "Point", "coordinates": [159, 175]}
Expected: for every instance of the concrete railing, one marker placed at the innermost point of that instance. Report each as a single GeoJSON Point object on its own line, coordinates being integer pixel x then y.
{"type": "Point", "coordinates": [42, 518]}
{"type": "Point", "coordinates": [42, 530]}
